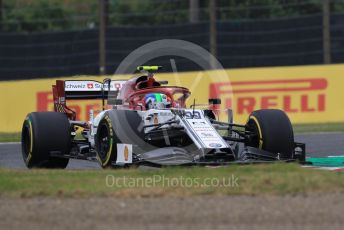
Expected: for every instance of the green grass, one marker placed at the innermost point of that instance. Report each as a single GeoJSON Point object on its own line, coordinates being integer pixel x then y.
{"type": "Point", "coordinates": [321, 127]}
{"type": "Point", "coordinates": [268, 179]}
{"type": "Point", "coordinates": [10, 137]}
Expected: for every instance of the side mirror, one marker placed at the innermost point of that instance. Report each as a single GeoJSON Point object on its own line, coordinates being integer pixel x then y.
{"type": "Point", "coordinates": [163, 82]}
{"type": "Point", "coordinates": [214, 101]}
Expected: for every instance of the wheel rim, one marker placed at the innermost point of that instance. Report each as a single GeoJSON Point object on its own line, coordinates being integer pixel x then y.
{"type": "Point", "coordinates": [104, 142]}
{"type": "Point", "coordinates": [26, 146]}
{"type": "Point", "coordinates": [254, 142]}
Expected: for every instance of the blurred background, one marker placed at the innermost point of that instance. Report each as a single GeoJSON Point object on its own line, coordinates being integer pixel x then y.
{"type": "Point", "coordinates": [53, 38]}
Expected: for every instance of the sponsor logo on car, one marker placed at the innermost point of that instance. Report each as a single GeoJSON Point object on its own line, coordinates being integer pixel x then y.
{"type": "Point", "coordinates": [74, 86]}
{"type": "Point", "coordinates": [207, 134]}
{"type": "Point", "coordinates": [126, 153]}
{"type": "Point", "coordinates": [199, 123]}
{"type": "Point", "coordinates": [215, 145]}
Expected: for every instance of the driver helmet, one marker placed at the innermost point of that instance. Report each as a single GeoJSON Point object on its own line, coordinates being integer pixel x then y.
{"type": "Point", "coordinates": [157, 101]}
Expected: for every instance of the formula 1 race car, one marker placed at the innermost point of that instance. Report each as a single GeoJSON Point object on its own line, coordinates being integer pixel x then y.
{"type": "Point", "coordinates": [146, 122]}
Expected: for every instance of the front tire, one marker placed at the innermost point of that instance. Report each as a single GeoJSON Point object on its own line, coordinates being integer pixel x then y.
{"type": "Point", "coordinates": [274, 132]}
{"type": "Point", "coordinates": [106, 143]}
{"type": "Point", "coordinates": [42, 134]}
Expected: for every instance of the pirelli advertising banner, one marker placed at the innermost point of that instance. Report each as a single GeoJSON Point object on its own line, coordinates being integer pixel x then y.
{"type": "Point", "coordinates": [309, 94]}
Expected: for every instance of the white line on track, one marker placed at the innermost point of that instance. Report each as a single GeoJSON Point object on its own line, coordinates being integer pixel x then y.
{"type": "Point", "coordinates": [9, 143]}
{"type": "Point", "coordinates": [317, 133]}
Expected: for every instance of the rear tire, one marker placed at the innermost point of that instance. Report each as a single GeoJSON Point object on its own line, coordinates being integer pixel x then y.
{"type": "Point", "coordinates": [42, 134]}
{"type": "Point", "coordinates": [274, 132]}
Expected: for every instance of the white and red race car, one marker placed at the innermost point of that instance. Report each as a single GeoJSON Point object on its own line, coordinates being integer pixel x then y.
{"type": "Point", "coordinates": [146, 122]}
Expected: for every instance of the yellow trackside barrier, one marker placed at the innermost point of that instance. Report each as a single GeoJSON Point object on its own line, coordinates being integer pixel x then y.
{"type": "Point", "coordinates": [307, 93]}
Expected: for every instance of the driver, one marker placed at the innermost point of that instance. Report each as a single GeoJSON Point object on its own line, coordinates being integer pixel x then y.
{"type": "Point", "coordinates": [157, 101]}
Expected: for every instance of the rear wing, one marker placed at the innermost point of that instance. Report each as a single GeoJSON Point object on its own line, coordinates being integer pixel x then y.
{"type": "Point", "coordinates": [82, 90]}
{"type": "Point", "coordinates": [90, 89]}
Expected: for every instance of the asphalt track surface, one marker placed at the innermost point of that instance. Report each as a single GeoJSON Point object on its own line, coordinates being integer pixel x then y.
{"type": "Point", "coordinates": [317, 145]}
